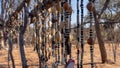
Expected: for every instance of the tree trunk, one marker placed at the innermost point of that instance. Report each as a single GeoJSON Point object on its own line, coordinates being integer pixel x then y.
{"type": "Point", "coordinates": [10, 55]}
{"type": "Point", "coordinates": [100, 39]}
{"type": "Point", "coordinates": [21, 39]}
{"type": "Point", "coordinates": [22, 52]}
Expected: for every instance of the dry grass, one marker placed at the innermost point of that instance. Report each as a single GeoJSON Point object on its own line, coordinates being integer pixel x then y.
{"type": "Point", "coordinates": [32, 58]}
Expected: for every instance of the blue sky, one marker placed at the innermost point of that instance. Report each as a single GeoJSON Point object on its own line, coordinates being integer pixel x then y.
{"type": "Point", "coordinates": [73, 3]}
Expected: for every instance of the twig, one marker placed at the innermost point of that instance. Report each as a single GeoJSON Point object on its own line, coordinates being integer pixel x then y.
{"type": "Point", "coordinates": [104, 8]}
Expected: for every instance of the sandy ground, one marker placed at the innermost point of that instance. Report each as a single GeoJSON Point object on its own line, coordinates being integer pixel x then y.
{"type": "Point", "coordinates": [32, 58]}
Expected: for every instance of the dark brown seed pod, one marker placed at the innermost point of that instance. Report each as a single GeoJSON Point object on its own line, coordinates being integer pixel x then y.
{"type": "Point", "coordinates": [66, 6]}
{"type": "Point", "coordinates": [90, 41]}
{"type": "Point", "coordinates": [58, 37]}
{"type": "Point", "coordinates": [58, 7]}
{"type": "Point", "coordinates": [54, 20]}
{"type": "Point", "coordinates": [90, 7]}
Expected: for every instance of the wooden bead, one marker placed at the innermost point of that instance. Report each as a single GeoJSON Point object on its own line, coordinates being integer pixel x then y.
{"type": "Point", "coordinates": [90, 7]}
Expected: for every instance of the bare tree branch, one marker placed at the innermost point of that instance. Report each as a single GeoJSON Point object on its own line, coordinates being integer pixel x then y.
{"type": "Point", "coordinates": [111, 14]}
{"type": "Point", "coordinates": [104, 8]}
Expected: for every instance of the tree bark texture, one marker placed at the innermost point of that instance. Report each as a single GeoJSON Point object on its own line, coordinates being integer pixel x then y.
{"type": "Point", "coordinates": [100, 39]}
{"type": "Point", "coordinates": [98, 31]}
{"type": "Point", "coordinates": [21, 39]}
{"type": "Point", "coordinates": [10, 55]}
